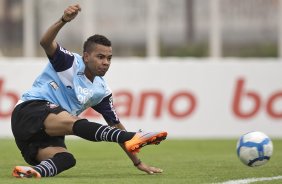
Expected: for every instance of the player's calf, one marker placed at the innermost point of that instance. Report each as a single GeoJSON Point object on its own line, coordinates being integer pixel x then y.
{"type": "Point", "coordinates": [96, 132]}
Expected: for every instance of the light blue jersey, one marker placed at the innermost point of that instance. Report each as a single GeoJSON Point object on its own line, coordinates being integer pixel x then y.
{"type": "Point", "coordinates": [63, 83]}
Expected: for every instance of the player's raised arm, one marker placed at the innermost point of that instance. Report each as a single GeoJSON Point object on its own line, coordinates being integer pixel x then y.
{"type": "Point", "coordinates": [48, 39]}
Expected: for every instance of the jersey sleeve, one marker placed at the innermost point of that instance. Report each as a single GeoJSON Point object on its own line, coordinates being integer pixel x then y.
{"type": "Point", "coordinates": [62, 59]}
{"type": "Point", "coordinates": [107, 110]}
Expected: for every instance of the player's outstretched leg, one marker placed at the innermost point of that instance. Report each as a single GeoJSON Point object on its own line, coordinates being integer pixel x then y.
{"type": "Point", "coordinates": [142, 139]}
{"type": "Point", "coordinates": [96, 132]}
{"type": "Point", "coordinates": [133, 141]}
{"type": "Point", "coordinates": [51, 167]}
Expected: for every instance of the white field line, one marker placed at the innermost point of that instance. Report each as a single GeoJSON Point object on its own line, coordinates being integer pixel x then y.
{"type": "Point", "coordinates": [251, 180]}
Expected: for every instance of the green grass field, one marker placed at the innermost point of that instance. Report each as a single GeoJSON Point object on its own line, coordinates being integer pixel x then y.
{"type": "Point", "coordinates": [183, 161]}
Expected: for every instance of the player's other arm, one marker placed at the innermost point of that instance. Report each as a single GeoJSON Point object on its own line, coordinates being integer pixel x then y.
{"type": "Point", "coordinates": [48, 39]}
{"type": "Point", "coordinates": [106, 108]}
{"type": "Point", "coordinates": [136, 161]}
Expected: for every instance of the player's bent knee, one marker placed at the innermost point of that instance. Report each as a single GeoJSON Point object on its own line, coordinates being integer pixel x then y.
{"type": "Point", "coordinates": [67, 160]}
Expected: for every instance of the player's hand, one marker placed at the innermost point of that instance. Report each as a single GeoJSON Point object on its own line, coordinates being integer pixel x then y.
{"type": "Point", "coordinates": [149, 169]}
{"type": "Point", "coordinates": [71, 12]}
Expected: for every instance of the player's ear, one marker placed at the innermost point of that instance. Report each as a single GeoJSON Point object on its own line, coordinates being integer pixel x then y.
{"type": "Point", "coordinates": [85, 56]}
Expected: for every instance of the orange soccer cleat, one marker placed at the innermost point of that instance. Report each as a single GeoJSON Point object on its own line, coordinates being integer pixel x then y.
{"type": "Point", "coordinates": [25, 172]}
{"type": "Point", "coordinates": [142, 139]}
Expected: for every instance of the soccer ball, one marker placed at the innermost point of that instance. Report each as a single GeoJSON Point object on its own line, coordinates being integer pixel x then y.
{"type": "Point", "coordinates": [254, 149]}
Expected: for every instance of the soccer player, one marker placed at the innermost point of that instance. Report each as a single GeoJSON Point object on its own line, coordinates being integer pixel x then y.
{"type": "Point", "coordinates": [68, 85]}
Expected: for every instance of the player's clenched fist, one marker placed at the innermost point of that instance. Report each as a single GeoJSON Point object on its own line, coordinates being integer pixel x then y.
{"type": "Point", "coordinates": [71, 12]}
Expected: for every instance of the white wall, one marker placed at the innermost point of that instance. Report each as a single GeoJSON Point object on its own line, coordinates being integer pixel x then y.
{"type": "Point", "coordinates": [189, 98]}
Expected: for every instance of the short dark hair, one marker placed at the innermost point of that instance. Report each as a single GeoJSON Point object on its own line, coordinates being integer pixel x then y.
{"type": "Point", "coordinates": [89, 44]}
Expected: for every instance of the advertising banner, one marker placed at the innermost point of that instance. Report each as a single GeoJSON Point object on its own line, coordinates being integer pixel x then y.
{"type": "Point", "coordinates": [189, 98]}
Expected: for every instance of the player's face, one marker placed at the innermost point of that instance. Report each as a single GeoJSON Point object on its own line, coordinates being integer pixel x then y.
{"type": "Point", "coordinates": [98, 61]}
